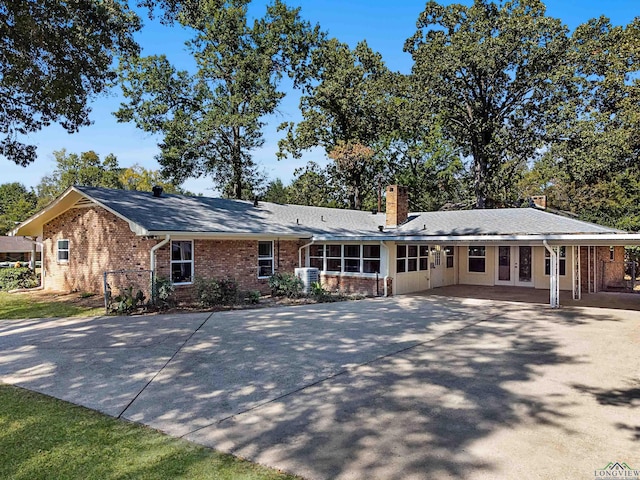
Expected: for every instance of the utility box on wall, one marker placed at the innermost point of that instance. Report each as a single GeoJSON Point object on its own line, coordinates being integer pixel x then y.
{"type": "Point", "coordinates": [308, 275]}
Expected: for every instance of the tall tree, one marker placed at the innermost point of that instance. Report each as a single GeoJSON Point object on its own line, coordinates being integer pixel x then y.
{"type": "Point", "coordinates": [142, 179]}
{"type": "Point", "coordinates": [312, 185]}
{"type": "Point", "coordinates": [212, 120]}
{"type": "Point", "coordinates": [346, 107]}
{"type": "Point", "coordinates": [492, 73]}
{"type": "Point", "coordinates": [55, 56]}
{"type": "Point", "coordinates": [17, 203]}
{"type": "Point", "coordinates": [85, 169]}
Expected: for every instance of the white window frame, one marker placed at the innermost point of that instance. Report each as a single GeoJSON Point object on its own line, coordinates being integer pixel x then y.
{"type": "Point", "coordinates": [452, 256]}
{"type": "Point", "coordinates": [361, 259]}
{"type": "Point", "coordinates": [172, 261]}
{"type": "Point", "coordinates": [418, 257]}
{"type": "Point", "coordinates": [562, 259]}
{"type": "Point", "coordinates": [266, 257]}
{"type": "Point", "coordinates": [59, 250]}
{"type": "Point", "coordinates": [484, 257]}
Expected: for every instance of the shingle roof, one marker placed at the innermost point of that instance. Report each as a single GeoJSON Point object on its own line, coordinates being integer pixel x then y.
{"type": "Point", "coordinates": [504, 221]}
{"type": "Point", "coordinates": [16, 245]}
{"type": "Point", "coordinates": [181, 213]}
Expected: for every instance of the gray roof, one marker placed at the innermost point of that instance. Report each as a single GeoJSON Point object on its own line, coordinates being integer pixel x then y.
{"type": "Point", "coordinates": [503, 221]}
{"type": "Point", "coordinates": [16, 245]}
{"type": "Point", "coordinates": [181, 213]}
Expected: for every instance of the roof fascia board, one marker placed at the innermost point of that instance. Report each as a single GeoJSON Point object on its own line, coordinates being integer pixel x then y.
{"type": "Point", "coordinates": [176, 234]}
{"type": "Point", "coordinates": [556, 239]}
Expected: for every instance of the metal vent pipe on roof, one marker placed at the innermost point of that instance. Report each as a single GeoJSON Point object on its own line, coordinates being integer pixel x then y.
{"type": "Point", "coordinates": [157, 190]}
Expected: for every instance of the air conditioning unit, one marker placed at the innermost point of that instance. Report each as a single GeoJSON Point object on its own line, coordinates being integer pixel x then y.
{"type": "Point", "coordinates": [308, 275]}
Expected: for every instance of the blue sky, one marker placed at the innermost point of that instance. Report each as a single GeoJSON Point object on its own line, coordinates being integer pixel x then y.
{"type": "Point", "coordinates": [384, 24]}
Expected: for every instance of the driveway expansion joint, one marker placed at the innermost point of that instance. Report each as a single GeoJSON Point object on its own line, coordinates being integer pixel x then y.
{"type": "Point", "coordinates": [340, 373]}
{"type": "Point", "coordinates": [165, 365]}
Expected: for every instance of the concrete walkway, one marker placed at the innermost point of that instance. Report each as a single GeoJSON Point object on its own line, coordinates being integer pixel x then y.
{"type": "Point", "coordinates": [413, 387]}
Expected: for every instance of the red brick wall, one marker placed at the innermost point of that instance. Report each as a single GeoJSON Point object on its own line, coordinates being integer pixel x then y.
{"type": "Point", "coordinates": [98, 241]}
{"type": "Point", "coordinates": [231, 258]}
{"type": "Point", "coordinates": [608, 272]}
{"type": "Point", "coordinates": [353, 284]}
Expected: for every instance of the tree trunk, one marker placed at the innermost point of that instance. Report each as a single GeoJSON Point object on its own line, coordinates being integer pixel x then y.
{"type": "Point", "coordinates": [236, 159]}
{"type": "Point", "coordinates": [479, 180]}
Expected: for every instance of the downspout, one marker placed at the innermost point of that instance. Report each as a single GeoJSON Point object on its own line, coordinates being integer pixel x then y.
{"type": "Point", "coordinates": [386, 274]}
{"type": "Point", "coordinates": [300, 252]}
{"type": "Point", "coordinates": [553, 277]}
{"type": "Point", "coordinates": [152, 254]}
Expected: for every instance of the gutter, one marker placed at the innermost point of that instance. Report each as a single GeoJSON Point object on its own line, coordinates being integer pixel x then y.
{"type": "Point", "coordinates": [554, 284]}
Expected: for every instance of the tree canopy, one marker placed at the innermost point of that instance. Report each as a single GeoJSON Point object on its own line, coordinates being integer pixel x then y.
{"type": "Point", "coordinates": [17, 203]}
{"type": "Point", "coordinates": [492, 73]}
{"type": "Point", "coordinates": [55, 57]}
{"type": "Point", "coordinates": [212, 120]}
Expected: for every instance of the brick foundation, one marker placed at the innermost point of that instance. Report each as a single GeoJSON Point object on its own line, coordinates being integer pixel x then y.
{"type": "Point", "coordinates": [356, 285]}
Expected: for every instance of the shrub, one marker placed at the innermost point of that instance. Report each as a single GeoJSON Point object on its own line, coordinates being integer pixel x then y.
{"type": "Point", "coordinates": [12, 278]}
{"type": "Point", "coordinates": [212, 292]}
{"type": "Point", "coordinates": [252, 297]}
{"type": "Point", "coordinates": [285, 285]}
{"type": "Point", "coordinates": [127, 301]}
{"type": "Point", "coordinates": [163, 293]}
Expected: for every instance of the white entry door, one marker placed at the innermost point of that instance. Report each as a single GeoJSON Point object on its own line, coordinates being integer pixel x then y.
{"type": "Point", "coordinates": [436, 266]}
{"type": "Point", "coordinates": [514, 266]}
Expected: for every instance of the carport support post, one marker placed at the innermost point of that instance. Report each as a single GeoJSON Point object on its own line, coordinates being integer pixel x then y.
{"type": "Point", "coordinates": [554, 277]}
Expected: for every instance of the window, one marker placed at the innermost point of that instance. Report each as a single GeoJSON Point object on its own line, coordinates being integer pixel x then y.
{"type": "Point", "coordinates": [423, 250]}
{"type": "Point", "coordinates": [265, 259]}
{"type": "Point", "coordinates": [316, 256]}
{"type": "Point", "coordinates": [371, 259]}
{"type": "Point", "coordinates": [449, 253]}
{"type": "Point", "coordinates": [612, 254]}
{"type": "Point", "coordinates": [334, 258]}
{"type": "Point", "coordinates": [63, 251]}
{"type": "Point", "coordinates": [182, 262]}
{"type": "Point", "coordinates": [477, 259]}
{"type": "Point", "coordinates": [437, 254]}
{"type": "Point", "coordinates": [411, 258]}
{"type": "Point", "coordinates": [352, 258]}
{"type": "Point", "coordinates": [347, 258]}
{"type": "Point", "coordinates": [401, 258]}
{"type": "Point", "coordinates": [562, 260]}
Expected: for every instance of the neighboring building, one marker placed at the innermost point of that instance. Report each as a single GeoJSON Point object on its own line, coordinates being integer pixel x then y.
{"type": "Point", "coordinates": [87, 231]}
{"type": "Point", "coordinates": [17, 249]}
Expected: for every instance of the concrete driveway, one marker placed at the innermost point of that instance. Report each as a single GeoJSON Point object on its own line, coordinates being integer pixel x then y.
{"type": "Point", "coordinates": [412, 387]}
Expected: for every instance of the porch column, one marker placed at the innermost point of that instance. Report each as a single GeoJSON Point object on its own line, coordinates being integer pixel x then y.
{"type": "Point", "coordinates": [554, 275]}
{"type": "Point", "coordinates": [576, 273]}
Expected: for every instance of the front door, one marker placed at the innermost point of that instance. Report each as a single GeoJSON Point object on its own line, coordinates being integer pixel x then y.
{"type": "Point", "coordinates": [436, 266]}
{"type": "Point", "coordinates": [514, 266]}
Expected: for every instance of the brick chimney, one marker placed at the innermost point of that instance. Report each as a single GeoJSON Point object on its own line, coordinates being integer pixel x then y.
{"type": "Point", "coordinates": [539, 200]}
{"type": "Point", "coordinates": [397, 205]}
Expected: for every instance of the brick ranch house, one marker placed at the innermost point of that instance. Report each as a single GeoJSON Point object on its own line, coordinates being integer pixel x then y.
{"type": "Point", "coordinates": [87, 231]}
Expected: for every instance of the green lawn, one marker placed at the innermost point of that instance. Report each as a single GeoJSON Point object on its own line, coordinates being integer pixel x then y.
{"type": "Point", "coordinates": [45, 438]}
{"type": "Point", "coordinates": [14, 306]}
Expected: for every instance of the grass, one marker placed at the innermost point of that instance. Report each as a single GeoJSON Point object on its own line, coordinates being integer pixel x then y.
{"type": "Point", "coordinates": [45, 438]}
{"type": "Point", "coordinates": [36, 305]}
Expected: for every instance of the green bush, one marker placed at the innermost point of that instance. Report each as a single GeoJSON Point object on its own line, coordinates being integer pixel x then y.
{"type": "Point", "coordinates": [285, 285]}
{"type": "Point", "coordinates": [252, 297]}
{"type": "Point", "coordinates": [126, 302]}
{"type": "Point", "coordinates": [212, 292]}
{"type": "Point", "coordinates": [163, 293]}
{"type": "Point", "coordinates": [12, 278]}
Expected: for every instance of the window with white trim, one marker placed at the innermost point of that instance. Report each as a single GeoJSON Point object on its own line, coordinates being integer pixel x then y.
{"type": "Point", "coordinates": [265, 259]}
{"type": "Point", "coordinates": [181, 262]}
{"type": "Point", "coordinates": [477, 259]}
{"type": "Point", "coordinates": [347, 258]}
{"type": "Point", "coordinates": [411, 258]}
{"type": "Point", "coordinates": [449, 256]}
{"type": "Point", "coordinates": [63, 251]}
{"type": "Point", "coordinates": [562, 261]}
